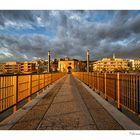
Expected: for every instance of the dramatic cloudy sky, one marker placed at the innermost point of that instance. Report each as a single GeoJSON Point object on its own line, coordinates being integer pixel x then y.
{"type": "Point", "coordinates": [27, 35]}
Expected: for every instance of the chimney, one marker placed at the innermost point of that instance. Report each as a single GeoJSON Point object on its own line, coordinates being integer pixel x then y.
{"type": "Point", "coordinates": [87, 60]}
{"type": "Point", "coordinates": [48, 61]}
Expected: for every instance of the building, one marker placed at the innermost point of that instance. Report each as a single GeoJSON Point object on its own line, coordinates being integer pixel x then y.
{"type": "Point", "coordinates": [67, 65]}
{"type": "Point", "coordinates": [110, 65]}
{"type": "Point", "coordinates": [134, 64]}
{"type": "Point", "coordinates": [11, 67]}
{"type": "Point", "coordinates": [54, 66]}
{"type": "Point", "coordinates": [2, 68]}
{"type": "Point", "coordinates": [27, 67]}
{"type": "Point", "coordinates": [40, 65]}
{"type": "Point", "coordinates": [91, 63]}
{"type": "Point", "coordinates": [70, 65]}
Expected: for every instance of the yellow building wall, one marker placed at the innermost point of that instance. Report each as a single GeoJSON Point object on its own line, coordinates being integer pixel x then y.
{"type": "Point", "coordinates": [63, 65]}
{"type": "Point", "coordinates": [110, 64]}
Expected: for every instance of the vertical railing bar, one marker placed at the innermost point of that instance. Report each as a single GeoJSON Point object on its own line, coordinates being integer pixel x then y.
{"type": "Point", "coordinates": [44, 81]}
{"type": "Point", "coordinates": [105, 86]}
{"type": "Point", "coordinates": [138, 95]}
{"type": "Point", "coordinates": [16, 93]}
{"type": "Point", "coordinates": [118, 92]}
{"type": "Point", "coordinates": [134, 85]}
{"type": "Point", "coordinates": [30, 87]}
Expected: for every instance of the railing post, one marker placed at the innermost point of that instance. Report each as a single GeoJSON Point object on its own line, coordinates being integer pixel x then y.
{"type": "Point", "coordinates": [82, 76]}
{"type": "Point", "coordinates": [118, 92]}
{"type": "Point", "coordinates": [38, 84]}
{"type": "Point", "coordinates": [138, 96]}
{"type": "Point", "coordinates": [47, 80]}
{"type": "Point", "coordinates": [105, 86]}
{"type": "Point", "coordinates": [92, 80]}
{"type": "Point", "coordinates": [51, 79]}
{"type": "Point", "coordinates": [88, 79]}
{"type": "Point", "coordinates": [93, 86]}
{"type": "Point", "coordinates": [30, 88]}
{"type": "Point", "coordinates": [15, 93]}
{"type": "Point", "coordinates": [98, 83]}
{"type": "Point", "coordinates": [44, 82]}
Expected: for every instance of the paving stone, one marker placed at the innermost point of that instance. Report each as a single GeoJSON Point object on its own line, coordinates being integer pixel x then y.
{"type": "Point", "coordinates": [108, 125]}
{"type": "Point", "coordinates": [88, 127]}
{"type": "Point", "coordinates": [70, 121]}
{"type": "Point", "coordinates": [64, 98]}
{"type": "Point", "coordinates": [64, 92]}
{"type": "Point", "coordinates": [31, 119]}
{"type": "Point", "coordinates": [62, 108]}
{"type": "Point", "coordinates": [92, 104]}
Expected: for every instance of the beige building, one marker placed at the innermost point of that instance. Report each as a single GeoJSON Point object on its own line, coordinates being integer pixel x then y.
{"type": "Point", "coordinates": [110, 65]}
{"type": "Point", "coordinates": [14, 67]}
{"type": "Point", "coordinates": [2, 68]}
{"type": "Point", "coordinates": [135, 64]}
{"type": "Point", "coordinates": [27, 67]}
{"type": "Point", "coordinates": [11, 67]}
{"type": "Point", "coordinates": [67, 65]}
{"type": "Point", "coordinates": [70, 65]}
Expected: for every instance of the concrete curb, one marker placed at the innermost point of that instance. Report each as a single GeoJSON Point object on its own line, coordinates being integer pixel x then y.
{"type": "Point", "coordinates": [12, 119]}
{"type": "Point", "coordinates": [123, 120]}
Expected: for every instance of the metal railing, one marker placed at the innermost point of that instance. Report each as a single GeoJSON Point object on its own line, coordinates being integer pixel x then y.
{"type": "Point", "coordinates": [16, 88]}
{"type": "Point", "coordinates": [123, 89]}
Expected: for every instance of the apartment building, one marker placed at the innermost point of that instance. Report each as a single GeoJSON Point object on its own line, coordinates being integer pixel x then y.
{"type": "Point", "coordinates": [11, 67]}
{"type": "Point", "coordinates": [27, 67]}
{"type": "Point", "coordinates": [110, 65]}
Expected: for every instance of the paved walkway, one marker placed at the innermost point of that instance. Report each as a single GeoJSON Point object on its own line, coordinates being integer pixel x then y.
{"type": "Point", "coordinates": [68, 106]}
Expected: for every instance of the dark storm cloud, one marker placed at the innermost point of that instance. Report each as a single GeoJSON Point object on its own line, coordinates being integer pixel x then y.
{"type": "Point", "coordinates": [100, 38]}
{"type": "Point", "coordinates": [12, 15]}
{"type": "Point", "coordinates": [63, 21]}
{"type": "Point", "coordinates": [74, 32]}
{"type": "Point", "coordinates": [25, 47]}
{"type": "Point", "coordinates": [134, 24]}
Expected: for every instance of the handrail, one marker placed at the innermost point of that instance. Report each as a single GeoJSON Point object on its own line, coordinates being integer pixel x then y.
{"type": "Point", "coordinates": [16, 88]}
{"type": "Point", "coordinates": [123, 89]}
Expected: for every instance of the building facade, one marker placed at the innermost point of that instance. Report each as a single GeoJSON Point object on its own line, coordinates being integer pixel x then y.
{"type": "Point", "coordinates": [27, 67]}
{"type": "Point", "coordinates": [11, 67]}
{"type": "Point", "coordinates": [67, 65]}
{"type": "Point", "coordinates": [40, 65]}
{"type": "Point", "coordinates": [70, 65]}
{"type": "Point", "coordinates": [134, 64]}
{"type": "Point", "coordinates": [110, 65]}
